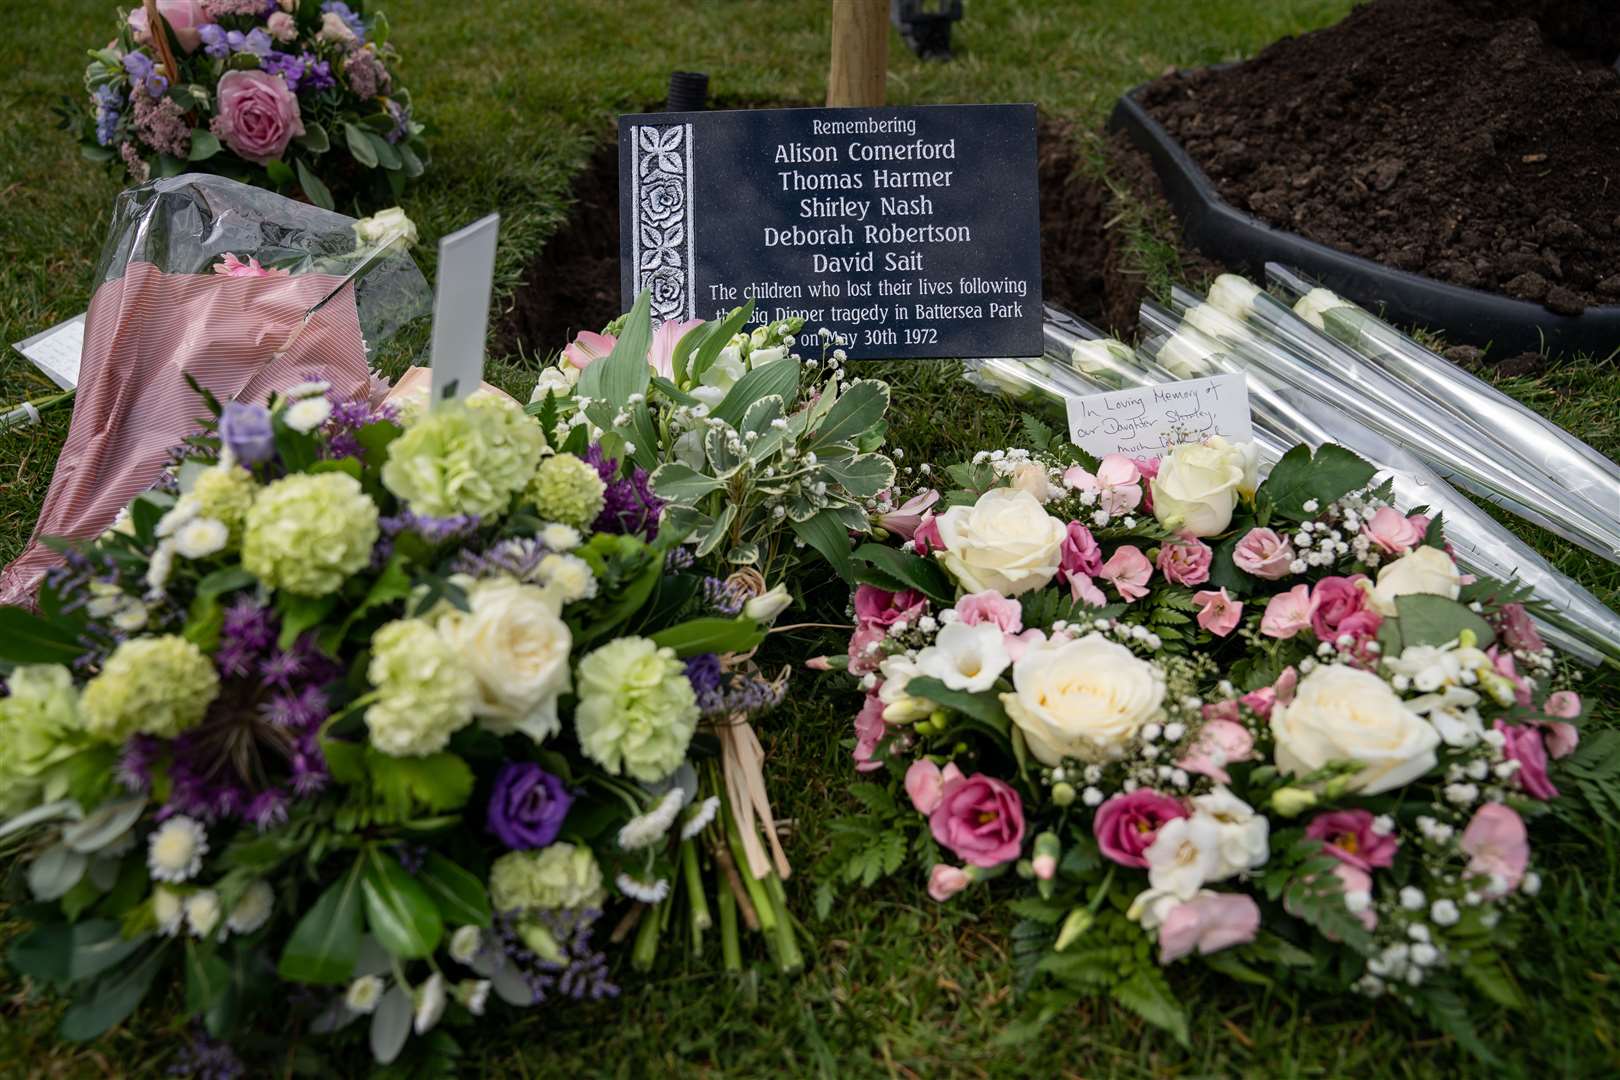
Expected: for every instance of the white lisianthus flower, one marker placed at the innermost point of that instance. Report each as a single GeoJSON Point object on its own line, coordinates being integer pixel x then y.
{"type": "Point", "coordinates": [1006, 542]}
{"type": "Point", "coordinates": [203, 913]}
{"type": "Point", "coordinates": [253, 909]}
{"type": "Point", "coordinates": [175, 849]}
{"type": "Point", "coordinates": [465, 943]}
{"type": "Point", "coordinates": [1423, 570]}
{"type": "Point", "coordinates": [649, 828]}
{"type": "Point", "coordinates": [385, 225]}
{"type": "Point", "coordinates": [1244, 834]}
{"type": "Point", "coordinates": [363, 994]}
{"type": "Point", "coordinates": [1316, 303]}
{"type": "Point", "coordinates": [1234, 295]}
{"type": "Point", "coordinates": [554, 382]}
{"type": "Point", "coordinates": [1085, 698]}
{"type": "Point", "coordinates": [169, 909]}
{"type": "Point", "coordinates": [517, 648]}
{"type": "Point", "coordinates": [200, 538]}
{"type": "Point", "coordinates": [1340, 713]}
{"type": "Point", "coordinates": [1185, 854]}
{"type": "Point", "coordinates": [1198, 485]}
{"type": "Point", "coordinates": [968, 658]}
{"type": "Point", "coordinates": [308, 414]}
{"type": "Point", "coordinates": [430, 1001]}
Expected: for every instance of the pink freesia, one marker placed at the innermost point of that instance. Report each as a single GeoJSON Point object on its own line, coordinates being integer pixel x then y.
{"type": "Point", "coordinates": [1264, 554]}
{"type": "Point", "coordinates": [1287, 613]}
{"type": "Point", "coordinates": [1220, 613]}
{"type": "Point", "coordinates": [231, 266]}
{"type": "Point", "coordinates": [661, 353]}
{"type": "Point", "coordinates": [1524, 745]}
{"type": "Point", "coordinates": [869, 731]}
{"type": "Point", "coordinates": [1126, 825]}
{"type": "Point", "coordinates": [1348, 836]}
{"type": "Point", "coordinates": [185, 17]}
{"type": "Point", "coordinates": [904, 519]}
{"type": "Point", "coordinates": [588, 347]}
{"type": "Point", "coordinates": [1392, 531]}
{"type": "Point", "coordinates": [1500, 847]}
{"type": "Point", "coordinates": [990, 606]}
{"type": "Point", "coordinates": [1332, 601]}
{"type": "Point", "coordinates": [1127, 570]}
{"type": "Point", "coordinates": [1209, 922]}
{"type": "Point", "coordinates": [257, 115]}
{"type": "Point", "coordinates": [1519, 629]}
{"type": "Point", "coordinates": [945, 881]}
{"type": "Point", "coordinates": [1186, 560]}
{"type": "Point", "coordinates": [927, 538]}
{"type": "Point", "coordinates": [1117, 483]}
{"type": "Point", "coordinates": [1221, 742]}
{"type": "Point", "coordinates": [979, 819]}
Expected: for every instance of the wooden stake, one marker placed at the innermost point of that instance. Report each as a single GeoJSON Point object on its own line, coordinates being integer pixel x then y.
{"type": "Point", "coordinates": [157, 30]}
{"type": "Point", "coordinates": [860, 53]}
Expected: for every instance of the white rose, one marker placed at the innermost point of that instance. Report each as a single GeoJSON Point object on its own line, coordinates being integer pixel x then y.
{"type": "Point", "coordinates": [1234, 295]}
{"type": "Point", "coordinates": [1100, 356]}
{"type": "Point", "coordinates": [517, 648]}
{"type": "Point", "coordinates": [1198, 484]}
{"type": "Point", "coordinates": [1342, 714]}
{"type": "Point", "coordinates": [1085, 698]}
{"type": "Point", "coordinates": [385, 225]}
{"type": "Point", "coordinates": [1005, 542]}
{"type": "Point", "coordinates": [1244, 835]}
{"type": "Point", "coordinates": [1215, 322]}
{"type": "Point", "coordinates": [1188, 354]}
{"type": "Point", "coordinates": [1421, 570]}
{"type": "Point", "coordinates": [1314, 304]}
{"type": "Point", "coordinates": [1031, 476]}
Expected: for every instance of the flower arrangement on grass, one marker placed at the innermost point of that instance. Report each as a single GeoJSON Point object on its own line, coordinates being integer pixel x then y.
{"type": "Point", "coordinates": [296, 95]}
{"type": "Point", "coordinates": [1266, 727]}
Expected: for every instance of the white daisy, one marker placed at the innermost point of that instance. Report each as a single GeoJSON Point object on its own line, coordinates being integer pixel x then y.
{"type": "Point", "coordinates": [175, 849]}
{"type": "Point", "coordinates": [202, 913]}
{"type": "Point", "coordinates": [641, 890]}
{"type": "Point", "coordinates": [308, 414]}
{"type": "Point", "coordinates": [567, 577]}
{"type": "Point", "coordinates": [698, 818]}
{"type": "Point", "coordinates": [649, 828]}
{"type": "Point", "coordinates": [200, 538]}
{"type": "Point", "coordinates": [169, 909]}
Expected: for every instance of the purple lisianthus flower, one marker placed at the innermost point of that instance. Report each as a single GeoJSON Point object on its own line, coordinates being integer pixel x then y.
{"type": "Point", "coordinates": [246, 430]}
{"type": "Point", "coordinates": [527, 807]}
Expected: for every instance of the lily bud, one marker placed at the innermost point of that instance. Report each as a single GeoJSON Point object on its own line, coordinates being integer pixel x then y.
{"type": "Point", "coordinates": [541, 943]}
{"type": "Point", "coordinates": [766, 608]}
{"type": "Point", "coordinates": [1062, 794]}
{"type": "Point", "coordinates": [1078, 922]}
{"type": "Point", "coordinates": [1292, 801]}
{"type": "Point", "coordinates": [1047, 849]}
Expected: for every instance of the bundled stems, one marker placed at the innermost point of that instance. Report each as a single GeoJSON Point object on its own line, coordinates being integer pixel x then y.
{"type": "Point", "coordinates": [645, 950]}
{"type": "Point", "coordinates": [692, 875]}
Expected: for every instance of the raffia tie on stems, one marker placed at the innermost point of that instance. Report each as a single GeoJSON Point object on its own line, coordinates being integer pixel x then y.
{"type": "Point", "coordinates": [157, 29]}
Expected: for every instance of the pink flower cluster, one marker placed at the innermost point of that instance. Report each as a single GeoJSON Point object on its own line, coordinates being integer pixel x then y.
{"type": "Point", "coordinates": [1336, 607]}
{"type": "Point", "coordinates": [977, 818]}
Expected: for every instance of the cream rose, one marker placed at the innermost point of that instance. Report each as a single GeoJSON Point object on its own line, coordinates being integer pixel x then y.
{"type": "Point", "coordinates": [516, 646]}
{"type": "Point", "coordinates": [1340, 713]}
{"type": "Point", "coordinates": [1234, 295]}
{"type": "Point", "coordinates": [1085, 698]}
{"type": "Point", "coordinates": [1031, 477]}
{"type": "Point", "coordinates": [385, 226]}
{"type": "Point", "coordinates": [1005, 542]}
{"type": "Point", "coordinates": [1198, 484]}
{"type": "Point", "coordinates": [1421, 570]}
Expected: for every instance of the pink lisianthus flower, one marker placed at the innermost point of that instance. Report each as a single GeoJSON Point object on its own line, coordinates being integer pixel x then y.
{"type": "Point", "coordinates": [587, 348]}
{"type": "Point", "coordinates": [1560, 736]}
{"type": "Point", "coordinates": [1117, 483]}
{"type": "Point", "coordinates": [231, 266]}
{"type": "Point", "coordinates": [185, 17]}
{"type": "Point", "coordinates": [904, 519]}
{"type": "Point", "coordinates": [1080, 553]}
{"type": "Point", "coordinates": [257, 115]}
{"type": "Point", "coordinates": [869, 731]}
{"type": "Point", "coordinates": [991, 607]}
{"type": "Point", "coordinates": [661, 353]}
{"type": "Point", "coordinates": [1393, 531]}
{"type": "Point", "coordinates": [1209, 922]}
{"type": "Point", "coordinates": [1332, 601]}
{"type": "Point", "coordinates": [925, 784]}
{"type": "Point", "coordinates": [1348, 836]}
{"type": "Point", "coordinates": [1126, 825]}
{"type": "Point", "coordinates": [1518, 629]}
{"type": "Point", "coordinates": [1524, 745]}
{"type": "Point", "coordinates": [1500, 846]}
{"type": "Point", "coordinates": [1127, 570]}
{"type": "Point", "coordinates": [1149, 468]}
{"type": "Point", "coordinates": [1221, 742]}
{"type": "Point", "coordinates": [927, 539]}
{"type": "Point", "coordinates": [979, 819]}
{"type": "Point", "coordinates": [945, 881]}
{"type": "Point", "coordinates": [875, 611]}
{"type": "Point", "coordinates": [1186, 560]}
{"type": "Point", "coordinates": [1264, 554]}
{"type": "Point", "coordinates": [1288, 613]}
{"type": "Point", "coordinates": [1219, 612]}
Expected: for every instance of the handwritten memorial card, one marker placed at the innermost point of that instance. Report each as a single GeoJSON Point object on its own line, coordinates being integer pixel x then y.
{"type": "Point", "coordinates": [1146, 421]}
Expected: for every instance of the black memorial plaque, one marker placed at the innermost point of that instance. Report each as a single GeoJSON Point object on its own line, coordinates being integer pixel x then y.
{"type": "Point", "coordinates": [906, 232]}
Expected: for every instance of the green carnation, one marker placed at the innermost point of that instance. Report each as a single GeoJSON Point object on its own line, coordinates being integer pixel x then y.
{"type": "Point", "coordinates": [424, 692]}
{"type": "Point", "coordinates": [468, 457]}
{"type": "Point", "coordinates": [636, 709]}
{"type": "Point", "coordinates": [558, 876]}
{"type": "Point", "coordinates": [39, 728]}
{"type": "Point", "coordinates": [567, 490]}
{"type": "Point", "coordinates": [151, 686]}
{"type": "Point", "coordinates": [224, 494]}
{"type": "Point", "coordinates": [306, 533]}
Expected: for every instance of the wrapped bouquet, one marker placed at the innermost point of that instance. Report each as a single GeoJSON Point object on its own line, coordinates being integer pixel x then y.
{"type": "Point", "coordinates": [1190, 716]}
{"type": "Point", "coordinates": [297, 95]}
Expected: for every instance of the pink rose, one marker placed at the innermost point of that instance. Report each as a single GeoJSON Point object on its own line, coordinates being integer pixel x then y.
{"type": "Point", "coordinates": [927, 538]}
{"type": "Point", "coordinates": [1561, 738]}
{"type": "Point", "coordinates": [1392, 531]}
{"type": "Point", "coordinates": [185, 17]}
{"type": "Point", "coordinates": [1127, 571]}
{"type": "Point", "coordinates": [1332, 601]}
{"type": "Point", "coordinates": [1348, 836]}
{"type": "Point", "coordinates": [258, 116]}
{"type": "Point", "coordinates": [231, 266]}
{"type": "Point", "coordinates": [1080, 553]}
{"type": "Point", "coordinates": [1185, 561]}
{"type": "Point", "coordinates": [945, 881]}
{"type": "Point", "coordinates": [1264, 554]}
{"type": "Point", "coordinates": [1500, 847]}
{"type": "Point", "coordinates": [1287, 613]}
{"type": "Point", "coordinates": [1525, 746]}
{"type": "Point", "coordinates": [980, 819]}
{"type": "Point", "coordinates": [990, 606]}
{"type": "Point", "coordinates": [884, 608]}
{"type": "Point", "coordinates": [1221, 742]}
{"type": "Point", "coordinates": [1219, 614]}
{"type": "Point", "coordinates": [904, 519]}
{"type": "Point", "coordinates": [587, 348]}
{"type": "Point", "coordinates": [1208, 922]}
{"type": "Point", "coordinates": [869, 731]}
{"type": "Point", "coordinates": [925, 783]}
{"type": "Point", "coordinates": [1117, 483]}
{"type": "Point", "coordinates": [661, 353]}
{"type": "Point", "coordinates": [1127, 825]}
{"type": "Point", "coordinates": [1519, 629]}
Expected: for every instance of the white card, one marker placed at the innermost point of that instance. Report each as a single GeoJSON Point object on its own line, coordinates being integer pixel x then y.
{"type": "Point", "coordinates": [461, 309]}
{"type": "Point", "coordinates": [56, 351]}
{"type": "Point", "coordinates": [1146, 422]}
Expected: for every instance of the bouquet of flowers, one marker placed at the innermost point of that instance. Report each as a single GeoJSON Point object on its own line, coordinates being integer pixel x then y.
{"type": "Point", "coordinates": [369, 715]}
{"type": "Point", "coordinates": [1266, 727]}
{"type": "Point", "coordinates": [295, 95]}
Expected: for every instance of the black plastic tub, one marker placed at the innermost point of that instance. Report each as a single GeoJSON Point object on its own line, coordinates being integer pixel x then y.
{"type": "Point", "coordinates": [1463, 315]}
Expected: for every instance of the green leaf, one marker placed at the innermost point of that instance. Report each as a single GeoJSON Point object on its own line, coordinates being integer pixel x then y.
{"type": "Point", "coordinates": [682, 483]}
{"type": "Point", "coordinates": [624, 372]}
{"type": "Point", "coordinates": [1426, 619]}
{"type": "Point", "coordinates": [435, 783]}
{"type": "Point", "coordinates": [461, 897]}
{"type": "Point", "coordinates": [390, 1025]}
{"type": "Point", "coordinates": [224, 580]}
{"type": "Point", "coordinates": [399, 912]}
{"type": "Point", "coordinates": [412, 162]}
{"type": "Point", "coordinates": [985, 706]}
{"type": "Point", "coordinates": [300, 613]}
{"type": "Point", "coordinates": [779, 377]}
{"type": "Point", "coordinates": [26, 638]}
{"type": "Point", "coordinates": [1148, 995]}
{"type": "Point", "coordinates": [714, 343]}
{"type": "Point", "coordinates": [710, 635]}
{"type": "Point", "coordinates": [379, 29]}
{"type": "Point", "coordinates": [112, 999]}
{"type": "Point", "coordinates": [326, 942]}
{"type": "Point", "coordinates": [384, 151]}
{"type": "Point", "coordinates": [717, 532]}
{"type": "Point", "coordinates": [1301, 477]}
{"type": "Point", "coordinates": [204, 145]}
{"type": "Point", "coordinates": [826, 533]}
{"type": "Point", "coordinates": [317, 191]}
{"type": "Point", "coordinates": [857, 410]}
{"type": "Point", "coordinates": [279, 171]}
{"type": "Point", "coordinates": [862, 476]}
{"type": "Point", "coordinates": [55, 872]}
{"type": "Point", "coordinates": [360, 147]}
{"type": "Point", "coordinates": [207, 978]}
{"type": "Point", "coordinates": [916, 571]}
{"type": "Point", "coordinates": [683, 353]}
{"type": "Point", "coordinates": [314, 139]}
{"type": "Point", "coordinates": [107, 823]}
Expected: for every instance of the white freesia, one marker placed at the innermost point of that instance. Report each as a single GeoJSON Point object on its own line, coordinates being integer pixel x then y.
{"type": "Point", "coordinates": [308, 414]}
{"type": "Point", "coordinates": [1198, 485]}
{"type": "Point", "coordinates": [899, 707]}
{"type": "Point", "coordinates": [1244, 835]}
{"type": "Point", "coordinates": [967, 658]}
{"type": "Point", "coordinates": [516, 647]}
{"type": "Point", "coordinates": [1316, 303]}
{"type": "Point", "coordinates": [385, 225]}
{"type": "Point", "coordinates": [1234, 294]}
{"type": "Point", "coordinates": [1185, 854]}
{"type": "Point", "coordinates": [1426, 570]}
{"type": "Point", "coordinates": [1085, 698]}
{"type": "Point", "coordinates": [1340, 713]}
{"type": "Point", "coordinates": [1006, 541]}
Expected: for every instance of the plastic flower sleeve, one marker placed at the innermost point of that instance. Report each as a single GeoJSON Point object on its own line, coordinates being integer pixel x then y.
{"type": "Point", "coordinates": [1579, 469]}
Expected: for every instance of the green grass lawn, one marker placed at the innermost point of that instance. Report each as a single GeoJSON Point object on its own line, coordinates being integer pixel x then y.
{"type": "Point", "coordinates": [518, 92]}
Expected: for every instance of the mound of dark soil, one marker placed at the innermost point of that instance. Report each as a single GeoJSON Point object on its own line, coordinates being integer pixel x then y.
{"type": "Point", "coordinates": [1475, 141]}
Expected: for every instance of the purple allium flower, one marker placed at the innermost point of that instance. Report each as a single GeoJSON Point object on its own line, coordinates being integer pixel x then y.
{"type": "Point", "coordinates": [246, 430]}
{"type": "Point", "coordinates": [343, 426]}
{"type": "Point", "coordinates": [628, 506]}
{"type": "Point", "coordinates": [527, 807]}
{"type": "Point", "coordinates": [248, 624]}
{"type": "Point", "coordinates": [267, 810]}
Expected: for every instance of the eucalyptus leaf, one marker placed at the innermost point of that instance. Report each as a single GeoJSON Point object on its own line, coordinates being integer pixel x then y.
{"type": "Point", "coordinates": [204, 145]}
{"type": "Point", "coordinates": [360, 146]}
{"type": "Point", "coordinates": [39, 815]}
{"type": "Point", "coordinates": [317, 191]}
{"type": "Point", "coordinates": [108, 823]}
{"type": "Point", "coordinates": [110, 1001]}
{"type": "Point", "coordinates": [56, 871]}
{"type": "Point", "coordinates": [390, 1025]}
{"type": "Point", "coordinates": [314, 139]}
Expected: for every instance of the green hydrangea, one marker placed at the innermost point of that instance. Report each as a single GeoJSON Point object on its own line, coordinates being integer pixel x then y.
{"type": "Point", "coordinates": [567, 490]}
{"type": "Point", "coordinates": [558, 876]}
{"type": "Point", "coordinates": [39, 728]}
{"type": "Point", "coordinates": [468, 457]}
{"type": "Point", "coordinates": [425, 693]}
{"type": "Point", "coordinates": [149, 686]}
{"type": "Point", "coordinates": [637, 710]}
{"type": "Point", "coordinates": [308, 532]}
{"type": "Point", "coordinates": [225, 494]}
